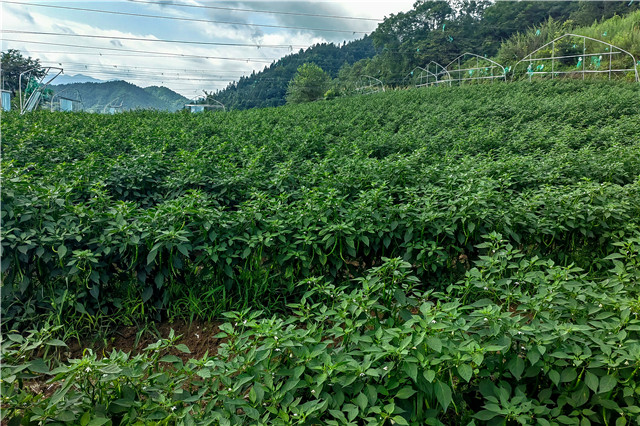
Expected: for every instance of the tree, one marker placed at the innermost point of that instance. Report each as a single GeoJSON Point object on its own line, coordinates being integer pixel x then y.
{"type": "Point", "coordinates": [13, 64]}
{"type": "Point", "coordinates": [309, 84]}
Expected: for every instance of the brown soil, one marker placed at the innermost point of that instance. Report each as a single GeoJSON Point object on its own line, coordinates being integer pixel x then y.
{"type": "Point", "coordinates": [197, 336]}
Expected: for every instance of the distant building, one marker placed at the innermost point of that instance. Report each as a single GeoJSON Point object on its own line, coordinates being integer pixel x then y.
{"type": "Point", "coordinates": [6, 100]}
{"type": "Point", "coordinates": [194, 107]}
{"type": "Point", "coordinates": [67, 104]}
{"type": "Point", "coordinates": [205, 107]}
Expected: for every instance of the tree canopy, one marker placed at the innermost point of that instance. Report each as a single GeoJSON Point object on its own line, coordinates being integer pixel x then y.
{"type": "Point", "coordinates": [309, 84]}
{"type": "Point", "coordinates": [13, 64]}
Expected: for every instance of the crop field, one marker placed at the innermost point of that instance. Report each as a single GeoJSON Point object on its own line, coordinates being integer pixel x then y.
{"type": "Point", "coordinates": [466, 255]}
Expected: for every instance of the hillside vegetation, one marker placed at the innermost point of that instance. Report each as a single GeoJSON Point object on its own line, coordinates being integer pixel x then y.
{"type": "Point", "coordinates": [440, 31]}
{"type": "Point", "coordinates": [465, 255]}
{"type": "Point", "coordinates": [96, 97]}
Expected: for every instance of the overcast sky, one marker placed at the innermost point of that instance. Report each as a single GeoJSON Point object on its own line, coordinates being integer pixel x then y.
{"type": "Point", "coordinates": [254, 38]}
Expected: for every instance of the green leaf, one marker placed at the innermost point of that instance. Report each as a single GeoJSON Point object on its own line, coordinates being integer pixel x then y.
{"type": "Point", "coordinates": [429, 375]}
{"type": "Point", "coordinates": [62, 250]}
{"type": "Point", "coordinates": [591, 380]}
{"type": "Point", "coordinates": [607, 383]}
{"type": "Point", "coordinates": [434, 343]}
{"type": "Point", "coordinates": [516, 367]}
{"type": "Point", "coordinates": [443, 394]}
{"type": "Point", "coordinates": [183, 348]}
{"type": "Point", "coordinates": [399, 420]}
{"type": "Point", "coordinates": [55, 342]}
{"type": "Point", "coordinates": [568, 375]}
{"type": "Point", "coordinates": [554, 376]}
{"type": "Point", "coordinates": [38, 366]}
{"type": "Point", "coordinates": [205, 373]}
{"type": "Point", "coordinates": [412, 370]}
{"type": "Point", "coordinates": [485, 415]}
{"type": "Point", "coordinates": [362, 401]}
{"type": "Point", "coordinates": [151, 256]}
{"type": "Point", "coordinates": [98, 421]}
{"type": "Point", "coordinates": [405, 392]}
{"type": "Point", "coordinates": [146, 294]}
{"type": "Point", "coordinates": [465, 371]}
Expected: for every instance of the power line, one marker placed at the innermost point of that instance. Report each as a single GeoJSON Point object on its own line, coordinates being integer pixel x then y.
{"type": "Point", "coordinates": [159, 55]}
{"type": "Point", "coordinates": [130, 67]}
{"type": "Point", "coordinates": [263, 60]}
{"type": "Point", "coordinates": [142, 15]}
{"type": "Point", "coordinates": [208, 43]}
{"type": "Point", "coordinates": [315, 15]}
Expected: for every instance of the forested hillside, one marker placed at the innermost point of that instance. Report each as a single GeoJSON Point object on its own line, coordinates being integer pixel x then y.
{"type": "Point", "coordinates": [97, 96]}
{"type": "Point", "coordinates": [268, 88]}
{"type": "Point", "coordinates": [431, 31]}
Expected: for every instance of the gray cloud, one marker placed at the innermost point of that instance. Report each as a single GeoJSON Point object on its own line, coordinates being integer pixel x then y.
{"type": "Point", "coordinates": [324, 8]}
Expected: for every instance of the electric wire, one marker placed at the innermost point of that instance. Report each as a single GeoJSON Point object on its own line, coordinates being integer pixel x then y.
{"type": "Point", "coordinates": [207, 43]}
{"type": "Point", "coordinates": [264, 60]}
{"type": "Point", "coordinates": [173, 18]}
{"type": "Point", "coordinates": [315, 15]}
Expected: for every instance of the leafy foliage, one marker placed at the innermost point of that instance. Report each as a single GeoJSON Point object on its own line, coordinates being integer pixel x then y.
{"type": "Point", "coordinates": [518, 340]}
{"type": "Point", "coordinates": [13, 63]}
{"type": "Point", "coordinates": [154, 215]}
{"type": "Point", "coordinates": [309, 84]}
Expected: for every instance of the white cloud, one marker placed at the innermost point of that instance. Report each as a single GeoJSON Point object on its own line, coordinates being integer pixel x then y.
{"type": "Point", "coordinates": [93, 57]}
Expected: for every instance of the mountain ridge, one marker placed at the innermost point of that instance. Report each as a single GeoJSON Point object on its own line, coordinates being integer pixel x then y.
{"type": "Point", "coordinates": [97, 97]}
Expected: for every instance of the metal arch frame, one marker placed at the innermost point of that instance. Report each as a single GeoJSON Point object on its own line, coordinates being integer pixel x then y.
{"type": "Point", "coordinates": [62, 91]}
{"type": "Point", "coordinates": [478, 67]}
{"type": "Point", "coordinates": [421, 76]}
{"type": "Point", "coordinates": [24, 105]}
{"type": "Point", "coordinates": [370, 86]}
{"type": "Point", "coordinates": [443, 71]}
{"type": "Point", "coordinates": [208, 104]}
{"type": "Point", "coordinates": [108, 105]}
{"type": "Point", "coordinates": [528, 58]}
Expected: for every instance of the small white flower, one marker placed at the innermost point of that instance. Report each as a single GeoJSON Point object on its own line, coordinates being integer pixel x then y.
{"type": "Point", "coordinates": [230, 389]}
{"type": "Point", "coordinates": [235, 325]}
{"type": "Point", "coordinates": [486, 319]}
{"type": "Point", "coordinates": [313, 391]}
{"type": "Point", "coordinates": [414, 347]}
{"type": "Point", "coordinates": [295, 415]}
{"type": "Point", "coordinates": [197, 335]}
{"type": "Point", "coordinates": [361, 374]}
{"type": "Point", "coordinates": [290, 355]}
{"type": "Point", "coordinates": [433, 322]}
{"type": "Point", "coordinates": [88, 369]}
{"type": "Point", "coordinates": [277, 349]}
{"type": "Point", "coordinates": [385, 368]}
{"type": "Point", "coordinates": [519, 332]}
{"type": "Point", "coordinates": [523, 348]}
{"type": "Point", "coordinates": [626, 363]}
{"type": "Point", "coordinates": [173, 408]}
{"type": "Point", "coordinates": [600, 305]}
{"type": "Point", "coordinates": [244, 322]}
{"type": "Point", "coordinates": [275, 337]}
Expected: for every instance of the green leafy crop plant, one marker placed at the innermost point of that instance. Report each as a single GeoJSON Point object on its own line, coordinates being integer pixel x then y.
{"type": "Point", "coordinates": [243, 205]}
{"type": "Point", "coordinates": [463, 255]}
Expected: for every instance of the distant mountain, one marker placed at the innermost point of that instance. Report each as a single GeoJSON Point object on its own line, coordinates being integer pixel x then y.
{"type": "Point", "coordinates": [77, 78]}
{"type": "Point", "coordinates": [269, 87]}
{"type": "Point", "coordinates": [97, 97]}
{"type": "Point", "coordinates": [167, 95]}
